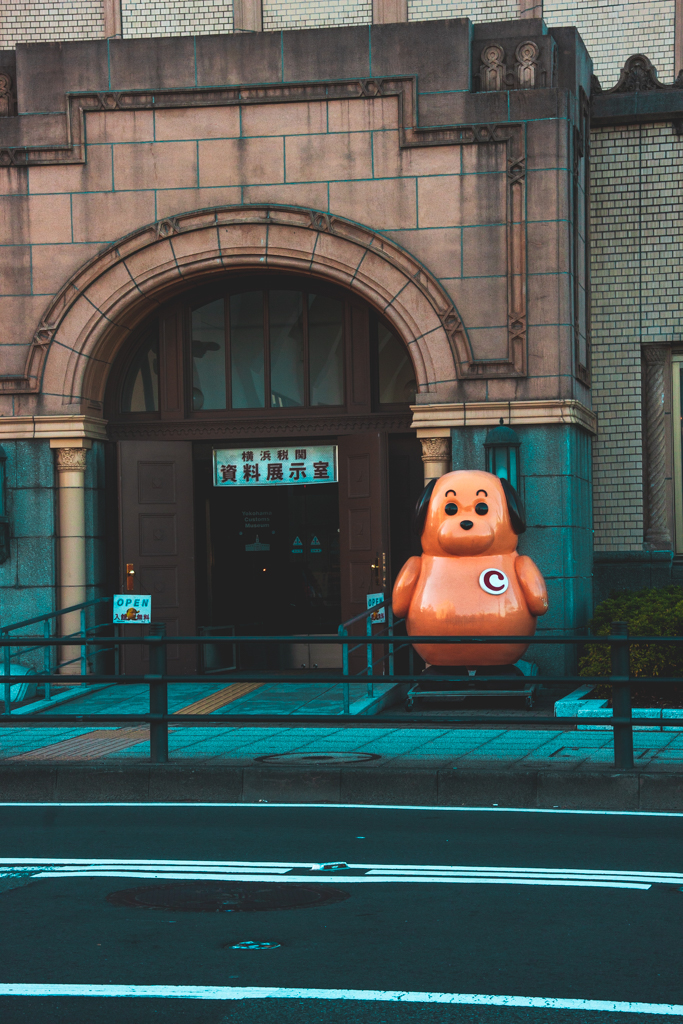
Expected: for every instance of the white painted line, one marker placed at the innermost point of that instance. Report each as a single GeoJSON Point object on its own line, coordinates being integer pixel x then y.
{"type": "Point", "coordinates": [149, 805]}
{"type": "Point", "coordinates": [358, 995]}
{"type": "Point", "coordinates": [306, 873]}
{"type": "Point", "coordinates": [345, 880]}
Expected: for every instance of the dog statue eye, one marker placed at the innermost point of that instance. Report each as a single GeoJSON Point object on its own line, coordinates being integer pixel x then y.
{"type": "Point", "coordinates": [451, 509]}
{"type": "Point", "coordinates": [481, 509]}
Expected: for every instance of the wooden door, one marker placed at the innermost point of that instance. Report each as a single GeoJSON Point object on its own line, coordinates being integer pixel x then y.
{"type": "Point", "coordinates": [363, 519]}
{"type": "Point", "coordinates": [157, 537]}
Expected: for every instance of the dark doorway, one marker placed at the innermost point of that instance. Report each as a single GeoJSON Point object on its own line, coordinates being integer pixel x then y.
{"type": "Point", "coordinates": [272, 557]}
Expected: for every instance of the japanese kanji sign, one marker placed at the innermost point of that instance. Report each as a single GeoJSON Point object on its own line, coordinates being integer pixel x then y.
{"type": "Point", "coordinates": [276, 466]}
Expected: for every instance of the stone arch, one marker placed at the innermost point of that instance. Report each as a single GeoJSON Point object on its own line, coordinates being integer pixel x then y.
{"type": "Point", "coordinates": [86, 323]}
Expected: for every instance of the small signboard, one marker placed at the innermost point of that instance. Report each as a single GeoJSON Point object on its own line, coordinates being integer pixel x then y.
{"type": "Point", "coordinates": [380, 614]}
{"type": "Point", "coordinates": [276, 466]}
{"type": "Point", "coordinates": [132, 608]}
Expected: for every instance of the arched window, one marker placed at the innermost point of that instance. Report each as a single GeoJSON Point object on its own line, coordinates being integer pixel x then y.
{"type": "Point", "coordinates": [265, 345]}
{"type": "Point", "coordinates": [140, 391]}
{"type": "Point", "coordinates": [272, 347]}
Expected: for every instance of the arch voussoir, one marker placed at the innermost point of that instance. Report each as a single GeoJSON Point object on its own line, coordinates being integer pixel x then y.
{"type": "Point", "coordinates": [107, 298]}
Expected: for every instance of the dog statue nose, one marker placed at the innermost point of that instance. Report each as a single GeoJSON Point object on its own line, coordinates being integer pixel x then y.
{"type": "Point", "coordinates": [467, 524]}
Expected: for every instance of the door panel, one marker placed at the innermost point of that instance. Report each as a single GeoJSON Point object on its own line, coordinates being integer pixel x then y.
{"type": "Point", "coordinates": [157, 537]}
{"type": "Point", "coordinates": [363, 517]}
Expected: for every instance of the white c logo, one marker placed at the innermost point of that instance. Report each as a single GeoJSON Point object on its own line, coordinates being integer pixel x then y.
{"type": "Point", "coordinates": [493, 581]}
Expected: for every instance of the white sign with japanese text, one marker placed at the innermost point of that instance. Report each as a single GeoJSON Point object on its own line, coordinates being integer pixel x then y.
{"type": "Point", "coordinates": [277, 466]}
{"type": "Point", "coordinates": [132, 608]}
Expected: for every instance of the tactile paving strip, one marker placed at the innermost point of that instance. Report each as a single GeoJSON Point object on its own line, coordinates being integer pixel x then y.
{"type": "Point", "coordinates": [92, 745]}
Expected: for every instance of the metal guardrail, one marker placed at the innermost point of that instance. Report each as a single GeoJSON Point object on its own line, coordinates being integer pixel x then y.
{"type": "Point", "coordinates": [50, 666]}
{"type": "Point", "coordinates": [158, 680]}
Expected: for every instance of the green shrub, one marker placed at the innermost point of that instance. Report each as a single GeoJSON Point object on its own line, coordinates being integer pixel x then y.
{"type": "Point", "coordinates": [648, 612]}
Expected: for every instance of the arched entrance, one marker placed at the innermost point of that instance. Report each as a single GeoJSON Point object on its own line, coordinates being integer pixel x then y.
{"type": "Point", "coordinates": [262, 423]}
{"type": "Point", "coordinates": [184, 335]}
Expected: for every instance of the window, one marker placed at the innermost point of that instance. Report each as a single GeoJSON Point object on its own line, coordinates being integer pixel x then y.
{"type": "Point", "coordinates": [141, 383]}
{"type": "Point", "coordinates": [282, 348]}
{"type": "Point", "coordinates": [396, 375]}
{"type": "Point", "coordinates": [252, 347]}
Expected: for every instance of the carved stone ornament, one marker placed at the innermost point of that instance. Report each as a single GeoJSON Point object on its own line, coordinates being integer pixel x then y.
{"type": "Point", "coordinates": [657, 535]}
{"type": "Point", "coordinates": [436, 449]}
{"type": "Point", "coordinates": [6, 95]}
{"type": "Point", "coordinates": [526, 68]}
{"type": "Point", "coordinates": [71, 459]}
{"type": "Point", "coordinates": [637, 75]}
{"type": "Point", "coordinates": [492, 70]}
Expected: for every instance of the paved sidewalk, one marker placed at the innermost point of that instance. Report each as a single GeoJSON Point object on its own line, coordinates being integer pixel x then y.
{"type": "Point", "coordinates": [437, 748]}
{"type": "Point", "coordinates": [378, 747]}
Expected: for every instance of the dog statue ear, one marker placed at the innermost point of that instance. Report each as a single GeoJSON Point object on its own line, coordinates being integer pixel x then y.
{"type": "Point", "coordinates": [515, 507]}
{"type": "Point", "coordinates": [420, 513]}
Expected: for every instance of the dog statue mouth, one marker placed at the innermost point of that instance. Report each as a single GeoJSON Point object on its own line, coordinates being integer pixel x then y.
{"type": "Point", "coordinates": [455, 541]}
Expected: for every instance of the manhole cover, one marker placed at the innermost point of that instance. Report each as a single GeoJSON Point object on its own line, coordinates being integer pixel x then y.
{"type": "Point", "coordinates": [321, 759]}
{"type": "Point", "coordinates": [226, 897]}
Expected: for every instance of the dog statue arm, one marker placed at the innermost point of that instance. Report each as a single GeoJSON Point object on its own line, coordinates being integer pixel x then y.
{"type": "Point", "coordinates": [532, 584]}
{"type": "Point", "coordinates": [405, 585]}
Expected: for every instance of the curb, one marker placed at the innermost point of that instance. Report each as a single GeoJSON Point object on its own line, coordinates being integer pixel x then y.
{"type": "Point", "coordinates": [103, 782]}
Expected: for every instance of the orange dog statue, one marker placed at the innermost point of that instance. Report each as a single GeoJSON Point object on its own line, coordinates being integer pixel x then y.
{"type": "Point", "coordinates": [470, 579]}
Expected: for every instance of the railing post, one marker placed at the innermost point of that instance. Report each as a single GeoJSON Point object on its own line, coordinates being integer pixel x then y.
{"type": "Point", "coordinates": [621, 694]}
{"type": "Point", "coordinates": [390, 624]}
{"type": "Point", "coordinates": [158, 695]}
{"type": "Point", "coordinates": [8, 678]}
{"type": "Point", "coordinates": [84, 656]}
{"type": "Point", "coordinates": [47, 659]}
{"type": "Point", "coordinates": [369, 656]}
{"type": "Point", "coordinates": [345, 668]}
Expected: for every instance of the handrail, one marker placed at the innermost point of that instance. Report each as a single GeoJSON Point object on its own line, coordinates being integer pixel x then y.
{"type": "Point", "coordinates": [46, 618]}
{"type": "Point", "coordinates": [157, 680]}
{"type": "Point", "coordinates": [55, 615]}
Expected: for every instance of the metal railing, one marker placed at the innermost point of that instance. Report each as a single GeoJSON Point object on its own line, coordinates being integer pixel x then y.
{"type": "Point", "coordinates": [158, 680]}
{"type": "Point", "coordinates": [51, 664]}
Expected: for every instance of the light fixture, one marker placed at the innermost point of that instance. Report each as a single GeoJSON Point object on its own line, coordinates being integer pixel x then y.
{"type": "Point", "coordinates": [502, 446]}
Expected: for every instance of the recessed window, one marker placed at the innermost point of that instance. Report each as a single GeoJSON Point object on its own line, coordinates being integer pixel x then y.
{"type": "Point", "coordinates": [141, 383]}
{"type": "Point", "coordinates": [396, 374]}
{"type": "Point", "coordinates": [326, 350]}
{"type": "Point", "coordinates": [208, 356]}
{"type": "Point", "coordinates": [284, 348]}
{"type": "Point", "coordinates": [264, 348]}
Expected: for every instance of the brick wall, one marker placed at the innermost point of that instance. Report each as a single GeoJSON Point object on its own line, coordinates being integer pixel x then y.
{"type": "Point", "coordinates": [637, 229]}
{"type": "Point", "coordinates": [144, 18]}
{"type": "Point", "coordinates": [42, 21]}
{"type": "Point", "coordinates": [614, 31]}
{"type": "Point", "coordinates": [486, 10]}
{"type": "Point", "coordinates": [313, 14]}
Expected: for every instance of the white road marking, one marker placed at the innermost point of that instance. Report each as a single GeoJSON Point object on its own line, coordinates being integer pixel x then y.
{"type": "Point", "coordinates": [343, 807]}
{"type": "Point", "coordinates": [358, 995]}
{"type": "Point", "coordinates": [297, 871]}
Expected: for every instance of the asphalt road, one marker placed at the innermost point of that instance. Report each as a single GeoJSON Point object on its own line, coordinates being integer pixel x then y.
{"type": "Point", "coordinates": [446, 934]}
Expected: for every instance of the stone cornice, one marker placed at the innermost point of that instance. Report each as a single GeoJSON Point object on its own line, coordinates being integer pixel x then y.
{"type": "Point", "coordinates": [48, 428]}
{"type": "Point", "coordinates": [488, 414]}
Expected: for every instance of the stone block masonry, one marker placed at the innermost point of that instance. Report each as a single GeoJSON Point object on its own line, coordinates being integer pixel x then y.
{"type": "Point", "coordinates": [637, 230]}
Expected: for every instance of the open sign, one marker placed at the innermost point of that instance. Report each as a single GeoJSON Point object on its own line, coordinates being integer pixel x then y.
{"type": "Point", "coordinates": [132, 608]}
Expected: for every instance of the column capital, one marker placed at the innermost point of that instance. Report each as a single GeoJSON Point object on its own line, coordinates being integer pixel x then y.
{"type": "Point", "coordinates": [72, 459]}
{"type": "Point", "coordinates": [655, 355]}
{"type": "Point", "coordinates": [435, 449]}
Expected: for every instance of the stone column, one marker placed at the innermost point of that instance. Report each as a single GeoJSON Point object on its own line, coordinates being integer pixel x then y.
{"type": "Point", "coordinates": [71, 456]}
{"type": "Point", "coordinates": [436, 456]}
{"type": "Point", "coordinates": [658, 535]}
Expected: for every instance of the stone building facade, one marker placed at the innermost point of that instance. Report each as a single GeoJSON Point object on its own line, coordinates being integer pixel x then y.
{"type": "Point", "coordinates": [493, 186]}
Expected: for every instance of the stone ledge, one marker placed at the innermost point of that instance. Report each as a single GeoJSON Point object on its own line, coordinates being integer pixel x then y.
{"type": "Point", "coordinates": [606, 789]}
